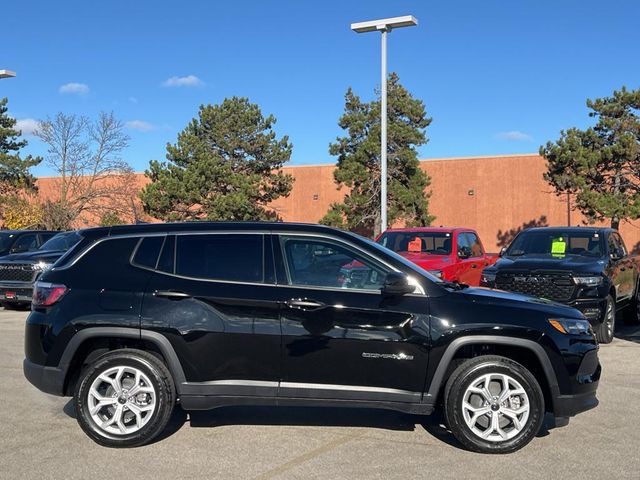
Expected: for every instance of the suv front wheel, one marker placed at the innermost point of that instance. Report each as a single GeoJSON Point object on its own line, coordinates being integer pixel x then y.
{"type": "Point", "coordinates": [493, 405]}
{"type": "Point", "coordinates": [124, 398]}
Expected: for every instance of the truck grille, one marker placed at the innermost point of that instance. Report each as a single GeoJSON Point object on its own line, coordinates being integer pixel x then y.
{"type": "Point", "coordinates": [552, 286]}
{"type": "Point", "coordinates": [17, 272]}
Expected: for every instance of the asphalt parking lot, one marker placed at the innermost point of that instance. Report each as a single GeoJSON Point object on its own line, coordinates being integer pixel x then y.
{"type": "Point", "coordinates": [39, 438]}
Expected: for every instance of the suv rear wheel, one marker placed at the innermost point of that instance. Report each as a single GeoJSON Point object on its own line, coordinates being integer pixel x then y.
{"type": "Point", "coordinates": [124, 398]}
{"type": "Point", "coordinates": [493, 405]}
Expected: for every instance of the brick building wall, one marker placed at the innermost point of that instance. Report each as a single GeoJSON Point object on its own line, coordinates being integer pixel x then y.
{"type": "Point", "coordinates": [495, 195]}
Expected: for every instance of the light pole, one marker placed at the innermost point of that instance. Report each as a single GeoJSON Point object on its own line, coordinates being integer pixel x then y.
{"type": "Point", "coordinates": [7, 74]}
{"type": "Point", "coordinates": [384, 25]}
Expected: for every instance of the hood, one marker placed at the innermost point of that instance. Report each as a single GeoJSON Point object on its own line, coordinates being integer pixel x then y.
{"type": "Point", "coordinates": [48, 256]}
{"type": "Point", "coordinates": [572, 263]}
{"type": "Point", "coordinates": [427, 261]}
{"type": "Point", "coordinates": [500, 297]}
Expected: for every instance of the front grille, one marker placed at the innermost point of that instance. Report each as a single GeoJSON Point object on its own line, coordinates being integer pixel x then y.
{"type": "Point", "coordinates": [549, 285]}
{"type": "Point", "coordinates": [17, 272]}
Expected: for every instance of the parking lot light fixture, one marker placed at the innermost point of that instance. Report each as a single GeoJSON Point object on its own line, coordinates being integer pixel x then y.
{"type": "Point", "coordinates": [7, 74]}
{"type": "Point", "coordinates": [384, 26]}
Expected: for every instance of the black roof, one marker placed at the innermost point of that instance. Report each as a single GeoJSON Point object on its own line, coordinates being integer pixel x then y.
{"type": "Point", "coordinates": [571, 229]}
{"type": "Point", "coordinates": [198, 226]}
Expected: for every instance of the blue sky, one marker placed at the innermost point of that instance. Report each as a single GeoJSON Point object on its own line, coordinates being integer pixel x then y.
{"type": "Point", "coordinates": [497, 77]}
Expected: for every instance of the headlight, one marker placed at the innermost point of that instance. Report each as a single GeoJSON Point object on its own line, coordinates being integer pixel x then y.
{"type": "Point", "coordinates": [435, 273]}
{"type": "Point", "coordinates": [570, 326]}
{"type": "Point", "coordinates": [42, 266]}
{"type": "Point", "coordinates": [588, 281]}
{"type": "Point", "coordinates": [488, 277]}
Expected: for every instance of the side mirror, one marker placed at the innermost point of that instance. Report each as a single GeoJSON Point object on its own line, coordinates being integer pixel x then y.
{"type": "Point", "coordinates": [503, 250]}
{"type": "Point", "coordinates": [464, 252]}
{"type": "Point", "coordinates": [397, 283]}
{"type": "Point", "coordinates": [617, 254]}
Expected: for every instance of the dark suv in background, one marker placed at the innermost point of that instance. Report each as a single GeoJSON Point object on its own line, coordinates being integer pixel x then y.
{"type": "Point", "coordinates": [18, 271]}
{"type": "Point", "coordinates": [135, 318]}
{"type": "Point", "coordinates": [18, 241]}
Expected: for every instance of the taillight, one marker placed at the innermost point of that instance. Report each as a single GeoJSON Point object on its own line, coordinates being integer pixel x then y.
{"type": "Point", "coordinates": [46, 294]}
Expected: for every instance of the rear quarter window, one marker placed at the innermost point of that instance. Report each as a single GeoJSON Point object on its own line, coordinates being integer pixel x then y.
{"type": "Point", "coordinates": [147, 252]}
{"type": "Point", "coordinates": [230, 257]}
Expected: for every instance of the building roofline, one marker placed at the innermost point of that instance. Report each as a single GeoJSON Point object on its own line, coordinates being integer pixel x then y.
{"type": "Point", "coordinates": [435, 159]}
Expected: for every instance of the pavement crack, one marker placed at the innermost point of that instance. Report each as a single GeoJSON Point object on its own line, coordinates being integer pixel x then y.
{"type": "Point", "coordinates": [310, 455]}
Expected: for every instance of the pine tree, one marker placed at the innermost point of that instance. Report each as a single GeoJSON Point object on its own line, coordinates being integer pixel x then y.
{"type": "Point", "coordinates": [14, 169]}
{"type": "Point", "coordinates": [226, 165]}
{"type": "Point", "coordinates": [601, 165]}
{"type": "Point", "coordinates": [358, 166]}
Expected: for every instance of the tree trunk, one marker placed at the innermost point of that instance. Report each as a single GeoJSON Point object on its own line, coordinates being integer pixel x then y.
{"type": "Point", "coordinates": [377, 226]}
{"type": "Point", "coordinates": [615, 223]}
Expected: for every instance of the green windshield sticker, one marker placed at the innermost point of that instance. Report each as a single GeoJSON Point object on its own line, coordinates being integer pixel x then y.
{"type": "Point", "coordinates": [558, 246]}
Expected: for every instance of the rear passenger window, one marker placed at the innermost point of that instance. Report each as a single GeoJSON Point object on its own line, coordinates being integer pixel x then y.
{"type": "Point", "coordinates": [148, 251]}
{"type": "Point", "coordinates": [232, 257]}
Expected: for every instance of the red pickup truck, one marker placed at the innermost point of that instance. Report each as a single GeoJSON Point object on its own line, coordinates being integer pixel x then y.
{"type": "Point", "coordinates": [453, 254]}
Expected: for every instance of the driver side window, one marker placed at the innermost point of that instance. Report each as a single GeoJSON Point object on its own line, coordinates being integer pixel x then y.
{"type": "Point", "coordinates": [26, 243]}
{"type": "Point", "coordinates": [323, 263]}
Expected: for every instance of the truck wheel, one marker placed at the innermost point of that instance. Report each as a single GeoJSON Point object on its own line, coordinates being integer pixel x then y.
{"type": "Point", "coordinates": [493, 405]}
{"type": "Point", "coordinates": [605, 330]}
{"type": "Point", "coordinates": [124, 398]}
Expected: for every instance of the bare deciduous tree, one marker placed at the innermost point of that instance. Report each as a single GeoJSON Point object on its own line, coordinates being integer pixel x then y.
{"type": "Point", "coordinates": [92, 177]}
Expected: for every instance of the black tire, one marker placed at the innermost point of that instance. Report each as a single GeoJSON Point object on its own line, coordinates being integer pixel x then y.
{"type": "Point", "coordinates": [160, 380]}
{"type": "Point", "coordinates": [468, 373]}
{"type": "Point", "coordinates": [605, 329]}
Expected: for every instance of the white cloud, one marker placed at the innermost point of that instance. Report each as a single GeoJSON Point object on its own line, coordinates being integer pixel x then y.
{"type": "Point", "coordinates": [133, 99]}
{"type": "Point", "coordinates": [188, 81]}
{"type": "Point", "coordinates": [74, 88]}
{"type": "Point", "coordinates": [514, 136]}
{"type": "Point", "coordinates": [27, 126]}
{"type": "Point", "coordinates": [139, 125]}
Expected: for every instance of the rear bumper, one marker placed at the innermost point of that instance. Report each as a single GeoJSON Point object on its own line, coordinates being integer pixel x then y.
{"type": "Point", "coordinates": [47, 379]}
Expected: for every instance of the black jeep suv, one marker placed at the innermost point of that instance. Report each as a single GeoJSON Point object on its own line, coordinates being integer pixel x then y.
{"type": "Point", "coordinates": [136, 318]}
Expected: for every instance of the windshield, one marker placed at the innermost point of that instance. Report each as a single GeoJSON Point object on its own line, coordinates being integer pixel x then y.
{"type": "Point", "coordinates": [402, 260]}
{"type": "Point", "coordinates": [5, 240]}
{"type": "Point", "coordinates": [432, 243]}
{"type": "Point", "coordinates": [62, 241]}
{"type": "Point", "coordinates": [557, 243]}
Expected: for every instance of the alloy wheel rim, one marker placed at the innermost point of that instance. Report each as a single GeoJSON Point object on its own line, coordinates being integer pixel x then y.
{"type": "Point", "coordinates": [495, 407]}
{"type": "Point", "coordinates": [121, 400]}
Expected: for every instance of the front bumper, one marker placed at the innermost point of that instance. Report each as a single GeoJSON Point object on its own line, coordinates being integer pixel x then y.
{"type": "Point", "coordinates": [570, 405]}
{"type": "Point", "coordinates": [16, 292]}
{"type": "Point", "coordinates": [592, 308]}
{"type": "Point", "coordinates": [47, 379]}
{"type": "Point", "coordinates": [583, 391]}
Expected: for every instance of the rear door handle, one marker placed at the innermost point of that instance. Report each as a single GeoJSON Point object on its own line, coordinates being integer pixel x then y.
{"type": "Point", "coordinates": [474, 265]}
{"type": "Point", "coordinates": [171, 294]}
{"type": "Point", "coordinates": [303, 304]}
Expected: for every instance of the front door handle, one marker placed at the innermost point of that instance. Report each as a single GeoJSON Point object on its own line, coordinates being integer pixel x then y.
{"type": "Point", "coordinates": [303, 304]}
{"type": "Point", "coordinates": [171, 294]}
{"type": "Point", "coordinates": [474, 265]}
